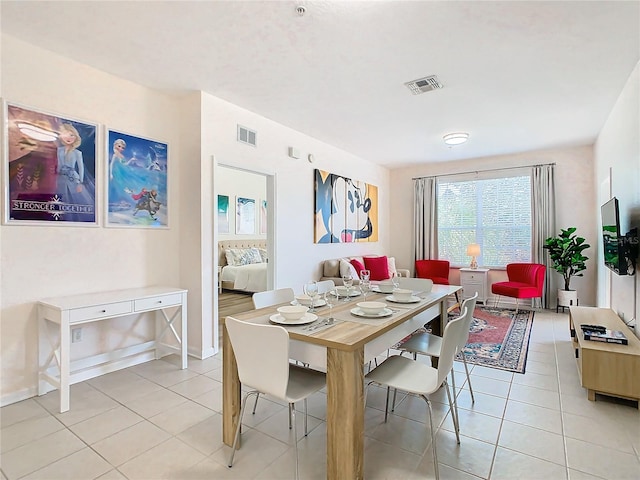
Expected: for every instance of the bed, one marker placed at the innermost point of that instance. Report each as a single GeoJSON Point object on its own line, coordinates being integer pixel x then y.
{"type": "Point", "coordinates": [249, 277]}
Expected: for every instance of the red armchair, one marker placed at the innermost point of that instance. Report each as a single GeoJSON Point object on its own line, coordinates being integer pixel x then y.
{"type": "Point", "coordinates": [436, 270]}
{"type": "Point", "coordinates": [526, 280]}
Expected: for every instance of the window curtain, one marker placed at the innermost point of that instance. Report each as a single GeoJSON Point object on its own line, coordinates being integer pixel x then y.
{"type": "Point", "coordinates": [543, 218]}
{"type": "Point", "coordinates": [425, 238]}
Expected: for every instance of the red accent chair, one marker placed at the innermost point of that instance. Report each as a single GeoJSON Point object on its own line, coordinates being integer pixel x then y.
{"type": "Point", "coordinates": [526, 280]}
{"type": "Point", "coordinates": [436, 271]}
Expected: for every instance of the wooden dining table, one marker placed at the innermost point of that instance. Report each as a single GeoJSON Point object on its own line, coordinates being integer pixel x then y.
{"type": "Point", "coordinates": [345, 341]}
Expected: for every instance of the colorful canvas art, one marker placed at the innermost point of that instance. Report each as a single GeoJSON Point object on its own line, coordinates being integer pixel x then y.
{"type": "Point", "coordinates": [50, 168]}
{"type": "Point", "coordinates": [345, 210]}
{"type": "Point", "coordinates": [245, 216]}
{"type": "Point", "coordinates": [223, 214]}
{"type": "Point", "coordinates": [137, 192]}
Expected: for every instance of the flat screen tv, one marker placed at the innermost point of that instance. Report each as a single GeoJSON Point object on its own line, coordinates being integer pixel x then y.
{"type": "Point", "coordinates": [614, 243]}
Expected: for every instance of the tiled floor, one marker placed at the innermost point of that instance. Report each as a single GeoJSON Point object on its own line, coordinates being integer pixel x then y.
{"type": "Point", "coordinates": [154, 421]}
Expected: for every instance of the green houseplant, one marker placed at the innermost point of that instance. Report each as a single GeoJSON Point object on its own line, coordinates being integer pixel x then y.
{"type": "Point", "coordinates": [565, 251]}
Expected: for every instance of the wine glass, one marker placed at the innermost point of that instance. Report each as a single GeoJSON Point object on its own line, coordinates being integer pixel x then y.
{"type": "Point", "coordinates": [365, 288]}
{"type": "Point", "coordinates": [332, 299]}
{"type": "Point", "coordinates": [311, 290]}
{"type": "Point", "coordinates": [394, 280]}
{"type": "Point", "coordinates": [365, 275]}
{"type": "Point", "coordinates": [347, 281]}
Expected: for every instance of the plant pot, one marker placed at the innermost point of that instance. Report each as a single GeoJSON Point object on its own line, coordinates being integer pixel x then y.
{"type": "Point", "coordinates": [567, 298]}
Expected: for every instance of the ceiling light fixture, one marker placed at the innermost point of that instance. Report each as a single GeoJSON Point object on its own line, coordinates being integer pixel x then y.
{"type": "Point", "coordinates": [453, 139]}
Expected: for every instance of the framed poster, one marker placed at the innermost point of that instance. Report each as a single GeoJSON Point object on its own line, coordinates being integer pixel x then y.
{"type": "Point", "coordinates": [223, 214]}
{"type": "Point", "coordinates": [50, 168]}
{"type": "Point", "coordinates": [137, 173]}
{"type": "Point", "coordinates": [245, 215]}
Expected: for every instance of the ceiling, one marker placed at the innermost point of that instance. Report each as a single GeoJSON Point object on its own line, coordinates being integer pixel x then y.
{"type": "Point", "coordinates": [516, 75]}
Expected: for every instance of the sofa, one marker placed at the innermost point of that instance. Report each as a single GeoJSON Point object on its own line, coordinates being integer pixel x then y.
{"type": "Point", "coordinates": [334, 268]}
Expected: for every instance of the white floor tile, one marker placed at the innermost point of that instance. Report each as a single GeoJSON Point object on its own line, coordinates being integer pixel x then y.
{"type": "Point", "coordinates": [81, 465]}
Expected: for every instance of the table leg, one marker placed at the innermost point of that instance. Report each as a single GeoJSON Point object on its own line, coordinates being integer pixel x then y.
{"type": "Point", "coordinates": [345, 414]}
{"type": "Point", "coordinates": [230, 391]}
{"type": "Point", "coordinates": [183, 332]}
{"type": "Point", "coordinates": [65, 365]}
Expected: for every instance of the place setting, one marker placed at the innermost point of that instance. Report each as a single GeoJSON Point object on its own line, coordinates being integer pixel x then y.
{"type": "Point", "coordinates": [401, 295]}
{"type": "Point", "coordinates": [371, 310]}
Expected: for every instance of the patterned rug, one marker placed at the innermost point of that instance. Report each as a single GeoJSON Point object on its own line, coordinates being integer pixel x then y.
{"type": "Point", "coordinates": [498, 338]}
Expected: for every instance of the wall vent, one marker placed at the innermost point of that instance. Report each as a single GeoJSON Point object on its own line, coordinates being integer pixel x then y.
{"type": "Point", "coordinates": [423, 85]}
{"type": "Point", "coordinates": [247, 136]}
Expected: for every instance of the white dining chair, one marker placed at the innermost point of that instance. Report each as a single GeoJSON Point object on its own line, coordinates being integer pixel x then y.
{"type": "Point", "coordinates": [272, 297]}
{"type": "Point", "coordinates": [325, 286]}
{"type": "Point", "coordinates": [425, 343]}
{"type": "Point", "coordinates": [419, 379]}
{"type": "Point", "coordinates": [270, 374]}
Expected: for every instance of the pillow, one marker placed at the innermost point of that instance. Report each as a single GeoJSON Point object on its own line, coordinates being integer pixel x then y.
{"type": "Point", "coordinates": [358, 266]}
{"type": "Point", "coordinates": [392, 266]}
{"type": "Point", "coordinates": [242, 256]}
{"type": "Point", "coordinates": [379, 267]}
{"type": "Point", "coordinates": [346, 268]}
{"type": "Point", "coordinates": [263, 254]}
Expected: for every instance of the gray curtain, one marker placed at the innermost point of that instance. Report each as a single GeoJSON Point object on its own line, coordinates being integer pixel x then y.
{"type": "Point", "coordinates": [425, 237]}
{"type": "Point", "coordinates": [543, 221]}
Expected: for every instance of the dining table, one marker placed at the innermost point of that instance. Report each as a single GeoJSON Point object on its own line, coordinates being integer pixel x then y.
{"type": "Point", "coordinates": [347, 341]}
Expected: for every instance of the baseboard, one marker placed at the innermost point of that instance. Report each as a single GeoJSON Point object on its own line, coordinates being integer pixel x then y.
{"type": "Point", "coordinates": [18, 396]}
{"type": "Point", "coordinates": [202, 354]}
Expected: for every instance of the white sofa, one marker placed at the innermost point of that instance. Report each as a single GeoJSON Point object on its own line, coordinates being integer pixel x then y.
{"type": "Point", "coordinates": [334, 268]}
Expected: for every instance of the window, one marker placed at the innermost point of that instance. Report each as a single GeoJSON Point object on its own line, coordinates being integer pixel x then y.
{"type": "Point", "coordinates": [493, 212]}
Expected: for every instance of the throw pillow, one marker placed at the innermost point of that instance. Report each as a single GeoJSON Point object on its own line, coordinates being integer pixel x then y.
{"type": "Point", "coordinates": [357, 265]}
{"type": "Point", "coordinates": [347, 268]}
{"type": "Point", "coordinates": [392, 266]}
{"type": "Point", "coordinates": [379, 267]}
{"type": "Point", "coordinates": [263, 254]}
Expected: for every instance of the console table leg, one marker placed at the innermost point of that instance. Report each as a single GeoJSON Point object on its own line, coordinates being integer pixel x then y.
{"type": "Point", "coordinates": [65, 364]}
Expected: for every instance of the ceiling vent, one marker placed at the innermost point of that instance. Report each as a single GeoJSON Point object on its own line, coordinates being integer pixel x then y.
{"type": "Point", "coordinates": [423, 85]}
{"type": "Point", "coordinates": [247, 136]}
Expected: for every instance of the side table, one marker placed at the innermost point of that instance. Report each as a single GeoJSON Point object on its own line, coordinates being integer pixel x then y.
{"type": "Point", "coordinates": [475, 280]}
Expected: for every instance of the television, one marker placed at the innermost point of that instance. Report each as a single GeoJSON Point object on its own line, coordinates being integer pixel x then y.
{"type": "Point", "coordinates": [620, 251]}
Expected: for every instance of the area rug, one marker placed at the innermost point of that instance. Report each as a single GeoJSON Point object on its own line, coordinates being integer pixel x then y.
{"type": "Point", "coordinates": [498, 338]}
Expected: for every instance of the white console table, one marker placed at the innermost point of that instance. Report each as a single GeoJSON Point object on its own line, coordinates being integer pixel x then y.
{"type": "Point", "coordinates": [57, 316]}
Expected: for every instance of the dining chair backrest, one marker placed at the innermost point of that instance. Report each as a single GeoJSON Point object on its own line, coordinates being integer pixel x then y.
{"type": "Point", "coordinates": [415, 284]}
{"type": "Point", "coordinates": [272, 297]}
{"type": "Point", "coordinates": [470, 305]}
{"type": "Point", "coordinates": [325, 286]}
{"type": "Point", "coordinates": [452, 333]}
{"type": "Point", "coordinates": [267, 373]}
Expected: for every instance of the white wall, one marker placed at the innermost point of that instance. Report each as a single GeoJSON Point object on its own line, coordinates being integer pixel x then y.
{"type": "Point", "coordinates": [297, 258]}
{"type": "Point", "coordinates": [45, 261]}
{"type": "Point", "coordinates": [575, 204]}
{"type": "Point", "coordinates": [617, 155]}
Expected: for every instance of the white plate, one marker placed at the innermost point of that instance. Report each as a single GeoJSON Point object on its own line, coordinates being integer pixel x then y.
{"type": "Point", "coordinates": [353, 293]}
{"type": "Point", "coordinates": [413, 299]}
{"type": "Point", "coordinates": [359, 313]}
{"type": "Point", "coordinates": [306, 318]}
{"type": "Point", "coordinates": [318, 303]}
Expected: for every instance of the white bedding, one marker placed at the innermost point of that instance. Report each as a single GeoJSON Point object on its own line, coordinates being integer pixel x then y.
{"type": "Point", "coordinates": [250, 278]}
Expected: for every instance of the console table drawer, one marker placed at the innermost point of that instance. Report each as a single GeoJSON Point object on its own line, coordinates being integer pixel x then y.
{"type": "Point", "coordinates": [99, 311]}
{"type": "Point", "coordinates": [156, 302]}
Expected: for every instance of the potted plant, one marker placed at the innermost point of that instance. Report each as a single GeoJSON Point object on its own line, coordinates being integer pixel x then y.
{"type": "Point", "coordinates": [565, 251]}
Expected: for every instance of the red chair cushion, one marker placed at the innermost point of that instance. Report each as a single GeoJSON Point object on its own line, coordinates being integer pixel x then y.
{"type": "Point", "coordinates": [515, 290]}
{"type": "Point", "coordinates": [357, 264]}
{"type": "Point", "coordinates": [379, 267]}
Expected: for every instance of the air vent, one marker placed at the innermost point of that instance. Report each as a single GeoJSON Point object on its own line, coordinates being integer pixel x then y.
{"type": "Point", "coordinates": [247, 136]}
{"type": "Point", "coordinates": [423, 85]}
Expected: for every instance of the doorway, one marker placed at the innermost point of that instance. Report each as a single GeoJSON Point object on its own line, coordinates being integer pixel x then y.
{"type": "Point", "coordinates": [244, 210]}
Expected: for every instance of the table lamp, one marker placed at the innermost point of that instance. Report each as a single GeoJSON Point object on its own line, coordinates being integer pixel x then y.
{"type": "Point", "coordinates": [473, 250]}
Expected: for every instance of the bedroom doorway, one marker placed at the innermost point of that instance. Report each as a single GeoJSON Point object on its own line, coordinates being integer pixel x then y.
{"type": "Point", "coordinates": [243, 214]}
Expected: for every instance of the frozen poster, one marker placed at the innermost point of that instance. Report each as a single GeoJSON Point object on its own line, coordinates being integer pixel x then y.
{"type": "Point", "coordinates": [49, 169]}
{"type": "Point", "coordinates": [137, 179]}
